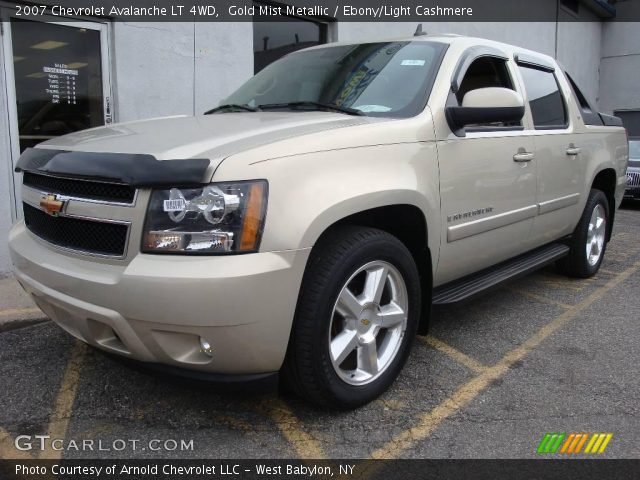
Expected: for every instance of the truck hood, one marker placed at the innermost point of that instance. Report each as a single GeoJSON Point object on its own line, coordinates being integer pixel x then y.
{"type": "Point", "coordinates": [212, 136]}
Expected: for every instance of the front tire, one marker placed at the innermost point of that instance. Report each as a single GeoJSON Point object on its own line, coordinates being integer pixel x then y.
{"type": "Point", "coordinates": [589, 240]}
{"type": "Point", "coordinates": [357, 316]}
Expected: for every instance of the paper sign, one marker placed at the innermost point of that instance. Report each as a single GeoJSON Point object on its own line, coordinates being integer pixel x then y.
{"type": "Point", "coordinates": [415, 63]}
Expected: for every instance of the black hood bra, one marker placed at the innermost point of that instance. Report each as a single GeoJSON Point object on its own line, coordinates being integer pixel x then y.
{"type": "Point", "coordinates": [135, 169]}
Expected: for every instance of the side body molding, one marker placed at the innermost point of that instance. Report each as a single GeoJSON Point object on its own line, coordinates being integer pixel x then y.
{"type": "Point", "coordinates": [475, 227]}
{"type": "Point", "coordinates": [558, 203]}
{"type": "Point", "coordinates": [468, 229]}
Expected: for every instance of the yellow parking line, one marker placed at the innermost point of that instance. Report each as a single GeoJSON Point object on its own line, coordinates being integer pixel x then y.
{"type": "Point", "coordinates": [539, 298]}
{"type": "Point", "coordinates": [234, 423]}
{"type": "Point", "coordinates": [552, 282]}
{"type": "Point", "coordinates": [429, 421]}
{"type": "Point", "coordinates": [8, 450]}
{"type": "Point", "coordinates": [12, 312]}
{"type": "Point", "coordinates": [606, 271]}
{"type": "Point", "coordinates": [59, 420]}
{"type": "Point", "coordinates": [305, 445]}
{"type": "Point", "coordinates": [455, 354]}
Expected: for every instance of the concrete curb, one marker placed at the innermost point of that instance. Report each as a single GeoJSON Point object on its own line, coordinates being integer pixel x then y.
{"type": "Point", "coordinates": [7, 325]}
{"type": "Point", "coordinates": [17, 309]}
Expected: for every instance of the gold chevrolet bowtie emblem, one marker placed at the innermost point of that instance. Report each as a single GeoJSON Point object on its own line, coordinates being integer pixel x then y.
{"type": "Point", "coordinates": [365, 322]}
{"type": "Point", "coordinates": [51, 205]}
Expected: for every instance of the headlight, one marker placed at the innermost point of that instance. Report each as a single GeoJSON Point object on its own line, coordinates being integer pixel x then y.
{"type": "Point", "coordinates": [217, 218]}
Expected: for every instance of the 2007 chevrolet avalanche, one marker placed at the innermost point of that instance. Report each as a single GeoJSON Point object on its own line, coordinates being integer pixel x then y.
{"type": "Point", "coordinates": [307, 224]}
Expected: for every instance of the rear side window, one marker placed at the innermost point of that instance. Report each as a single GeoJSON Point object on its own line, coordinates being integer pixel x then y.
{"type": "Point", "coordinates": [546, 102]}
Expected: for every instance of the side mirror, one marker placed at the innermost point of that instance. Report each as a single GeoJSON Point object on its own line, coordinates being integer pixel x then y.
{"type": "Point", "coordinates": [485, 105]}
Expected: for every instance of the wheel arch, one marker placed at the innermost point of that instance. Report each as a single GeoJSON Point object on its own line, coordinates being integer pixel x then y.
{"type": "Point", "coordinates": [408, 223]}
{"type": "Point", "coordinates": [605, 181]}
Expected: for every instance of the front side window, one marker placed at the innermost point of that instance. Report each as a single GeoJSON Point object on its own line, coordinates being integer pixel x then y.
{"type": "Point", "coordinates": [486, 72]}
{"type": "Point", "coordinates": [379, 79]}
{"type": "Point", "coordinates": [546, 102]}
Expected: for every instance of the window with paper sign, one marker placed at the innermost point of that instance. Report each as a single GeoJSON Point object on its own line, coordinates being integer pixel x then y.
{"type": "Point", "coordinates": [58, 77]}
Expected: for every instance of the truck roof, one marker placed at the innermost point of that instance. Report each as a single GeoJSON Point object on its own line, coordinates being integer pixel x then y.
{"type": "Point", "coordinates": [460, 41]}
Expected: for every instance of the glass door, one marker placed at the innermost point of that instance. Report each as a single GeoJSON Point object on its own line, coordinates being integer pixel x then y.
{"type": "Point", "coordinates": [57, 79]}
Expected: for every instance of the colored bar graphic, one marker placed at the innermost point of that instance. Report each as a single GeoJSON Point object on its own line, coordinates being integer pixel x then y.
{"type": "Point", "coordinates": [543, 443]}
{"type": "Point", "coordinates": [573, 443]}
{"type": "Point", "coordinates": [576, 439]}
{"type": "Point", "coordinates": [550, 443]}
{"type": "Point", "coordinates": [606, 442]}
{"type": "Point", "coordinates": [557, 443]}
{"type": "Point", "coordinates": [565, 447]}
{"type": "Point", "coordinates": [584, 439]}
{"type": "Point", "coordinates": [594, 437]}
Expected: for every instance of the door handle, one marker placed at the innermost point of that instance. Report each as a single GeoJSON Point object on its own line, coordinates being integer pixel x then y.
{"type": "Point", "coordinates": [523, 157]}
{"type": "Point", "coordinates": [573, 150]}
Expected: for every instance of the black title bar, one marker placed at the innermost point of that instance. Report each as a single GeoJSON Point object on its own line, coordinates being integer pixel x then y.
{"type": "Point", "coordinates": [425, 11]}
{"type": "Point", "coordinates": [202, 469]}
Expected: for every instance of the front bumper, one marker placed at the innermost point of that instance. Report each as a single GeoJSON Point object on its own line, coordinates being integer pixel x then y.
{"type": "Point", "coordinates": [156, 308]}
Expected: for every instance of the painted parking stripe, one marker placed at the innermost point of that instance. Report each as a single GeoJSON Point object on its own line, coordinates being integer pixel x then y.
{"type": "Point", "coordinates": [429, 421]}
{"type": "Point", "coordinates": [61, 416]}
{"type": "Point", "coordinates": [305, 445]}
{"type": "Point", "coordinates": [454, 353]}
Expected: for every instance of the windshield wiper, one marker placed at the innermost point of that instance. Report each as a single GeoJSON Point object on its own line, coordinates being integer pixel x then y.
{"type": "Point", "coordinates": [231, 107]}
{"type": "Point", "coordinates": [312, 105]}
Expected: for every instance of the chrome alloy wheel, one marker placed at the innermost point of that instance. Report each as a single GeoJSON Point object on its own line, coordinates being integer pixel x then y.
{"type": "Point", "coordinates": [596, 235]}
{"type": "Point", "coordinates": [368, 323]}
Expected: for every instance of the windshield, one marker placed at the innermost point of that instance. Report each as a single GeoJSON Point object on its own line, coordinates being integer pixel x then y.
{"type": "Point", "coordinates": [634, 149]}
{"type": "Point", "coordinates": [379, 79]}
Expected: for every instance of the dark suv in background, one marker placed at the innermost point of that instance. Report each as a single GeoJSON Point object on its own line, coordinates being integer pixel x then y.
{"type": "Point", "coordinates": [633, 171]}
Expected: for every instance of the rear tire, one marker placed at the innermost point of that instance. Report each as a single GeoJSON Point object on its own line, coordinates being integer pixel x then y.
{"type": "Point", "coordinates": [356, 318]}
{"type": "Point", "coordinates": [589, 240]}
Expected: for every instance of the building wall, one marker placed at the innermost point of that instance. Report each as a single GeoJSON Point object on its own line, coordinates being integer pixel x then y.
{"type": "Point", "coordinates": [620, 66]}
{"type": "Point", "coordinates": [5, 178]}
{"type": "Point", "coordinates": [177, 68]}
{"type": "Point", "coordinates": [223, 59]}
{"type": "Point", "coordinates": [153, 69]}
{"type": "Point", "coordinates": [620, 62]}
{"type": "Point", "coordinates": [579, 48]}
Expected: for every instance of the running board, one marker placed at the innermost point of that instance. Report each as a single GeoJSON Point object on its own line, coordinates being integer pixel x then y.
{"type": "Point", "coordinates": [491, 277]}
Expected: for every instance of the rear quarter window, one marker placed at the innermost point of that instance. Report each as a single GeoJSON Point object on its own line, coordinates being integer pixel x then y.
{"type": "Point", "coordinates": [545, 100]}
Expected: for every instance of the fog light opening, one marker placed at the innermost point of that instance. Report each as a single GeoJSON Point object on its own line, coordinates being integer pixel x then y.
{"type": "Point", "coordinates": [205, 347]}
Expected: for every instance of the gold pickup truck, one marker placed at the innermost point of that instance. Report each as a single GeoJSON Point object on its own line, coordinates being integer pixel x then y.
{"type": "Point", "coordinates": [306, 225]}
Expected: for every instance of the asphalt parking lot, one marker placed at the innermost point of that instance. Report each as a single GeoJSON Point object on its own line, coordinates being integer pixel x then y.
{"type": "Point", "coordinates": [542, 354]}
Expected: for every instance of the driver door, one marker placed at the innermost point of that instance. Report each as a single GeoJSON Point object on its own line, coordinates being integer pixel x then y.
{"type": "Point", "coordinates": [487, 181]}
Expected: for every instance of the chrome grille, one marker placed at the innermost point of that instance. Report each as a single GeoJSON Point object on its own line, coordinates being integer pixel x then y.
{"type": "Point", "coordinates": [633, 179]}
{"type": "Point", "coordinates": [106, 192]}
{"type": "Point", "coordinates": [84, 235]}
